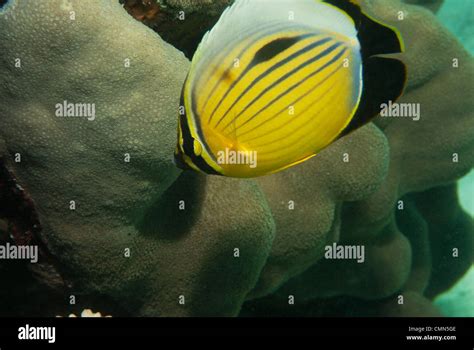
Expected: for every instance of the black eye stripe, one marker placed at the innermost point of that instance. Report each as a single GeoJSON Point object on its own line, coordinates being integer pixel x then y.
{"type": "Point", "coordinates": [188, 145]}
{"type": "Point", "coordinates": [179, 161]}
{"type": "Point", "coordinates": [185, 133]}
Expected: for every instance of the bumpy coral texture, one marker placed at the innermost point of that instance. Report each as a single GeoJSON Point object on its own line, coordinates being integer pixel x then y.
{"type": "Point", "coordinates": [202, 245]}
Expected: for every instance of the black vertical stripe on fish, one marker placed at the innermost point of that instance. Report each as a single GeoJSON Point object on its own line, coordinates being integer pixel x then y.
{"type": "Point", "coordinates": [188, 146]}
{"type": "Point", "coordinates": [198, 127]}
{"type": "Point", "coordinates": [179, 161]}
{"type": "Point", "coordinates": [287, 75]}
{"type": "Point", "coordinates": [264, 74]}
{"type": "Point", "coordinates": [182, 120]}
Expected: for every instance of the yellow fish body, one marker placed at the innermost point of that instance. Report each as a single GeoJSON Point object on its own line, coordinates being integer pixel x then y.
{"type": "Point", "coordinates": [274, 82]}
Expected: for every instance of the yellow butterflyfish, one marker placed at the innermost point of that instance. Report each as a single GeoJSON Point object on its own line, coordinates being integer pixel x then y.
{"type": "Point", "coordinates": [276, 81]}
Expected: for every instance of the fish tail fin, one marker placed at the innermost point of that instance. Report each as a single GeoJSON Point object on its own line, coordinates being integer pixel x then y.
{"type": "Point", "coordinates": [384, 81]}
{"type": "Point", "coordinates": [383, 77]}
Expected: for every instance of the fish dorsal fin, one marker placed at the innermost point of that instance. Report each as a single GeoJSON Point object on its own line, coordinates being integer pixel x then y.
{"type": "Point", "coordinates": [307, 13]}
{"type": "Point", "coordinates": [225, 17]}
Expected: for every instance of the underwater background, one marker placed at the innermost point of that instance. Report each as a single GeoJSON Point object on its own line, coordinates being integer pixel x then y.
{"type": "Point", "coordinates": [458, 17]}
{"type": "Point", "coordinates": [126, 206]}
